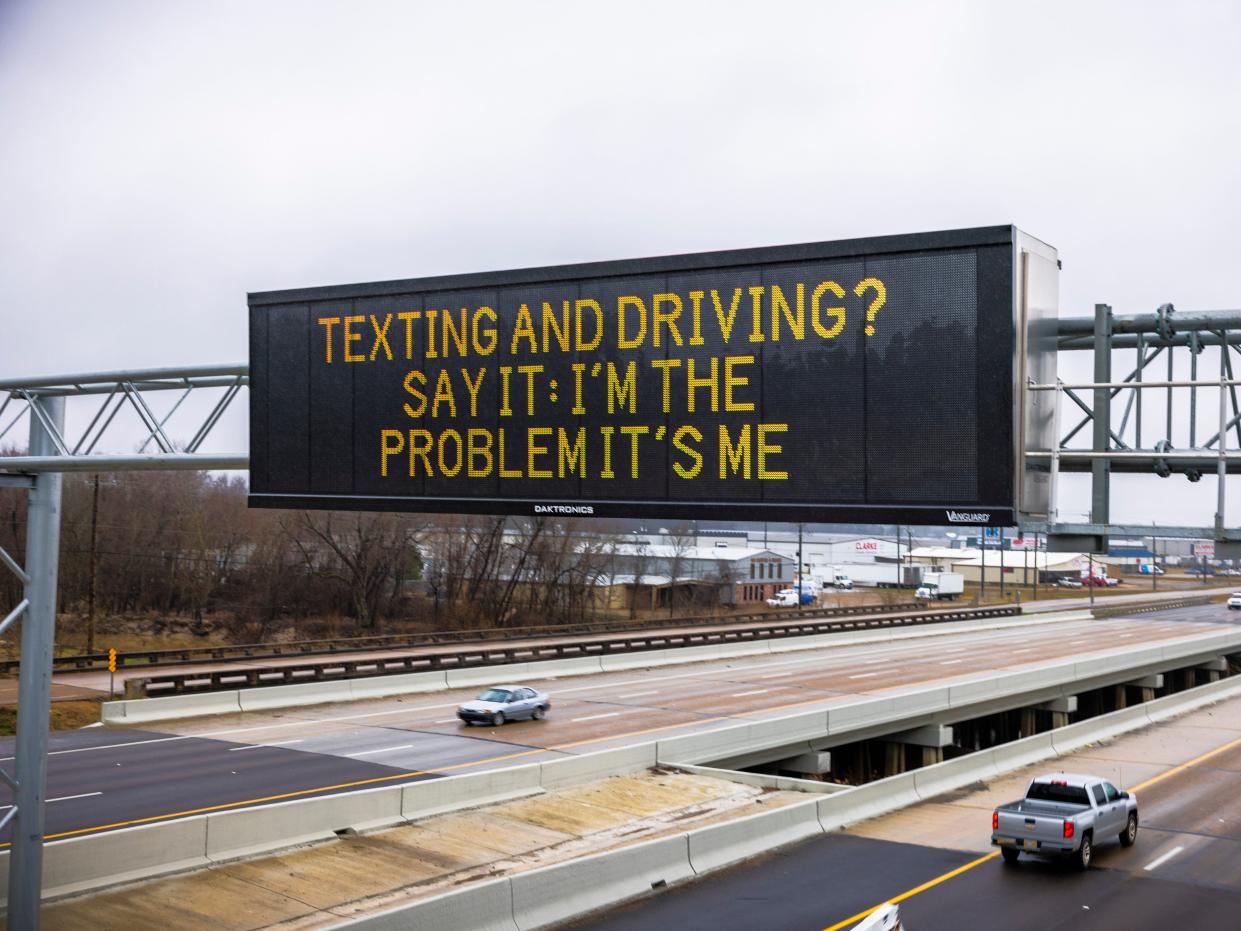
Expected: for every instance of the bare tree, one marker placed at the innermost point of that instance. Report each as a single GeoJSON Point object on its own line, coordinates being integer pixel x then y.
{"type": "Point", "coordinates": [360, 551]}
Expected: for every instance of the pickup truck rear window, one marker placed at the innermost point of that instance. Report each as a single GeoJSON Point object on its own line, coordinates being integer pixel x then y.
{"type": "Point", "coordinates": [1047, 792]}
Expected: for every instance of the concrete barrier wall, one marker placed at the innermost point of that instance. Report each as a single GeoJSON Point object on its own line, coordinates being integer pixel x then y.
{"type": "Point", "coordinates": [138, 711]}
{"type": "Point", "coordinates": [469, 790]}
{"type": "Point", "coordinates": [731, 841]}
{"type": "Point", "coordinates": [587, 767]}
{"type": "Point", "coordinates": [400, 684]}
{"type": "Point", "coordinates": [556, 893]}
{"type": "Point", "coordinates": [763, 780]}
{"type": "Point", "coordinates": [738, 739]}
{"type": "Point", "coordinates": [1163, 708]}
{"type": "Point", "coordinates": [302, 693]}
{"type": "Point", "coordinates": [486, 906]}
{"type": "Point", "coordinates": [867, 801]}
{"type": "Point", "coordinates": [930, 781]}
{"type": "Point", "coordinates": [81, 863]}
{"type": "Point", "coordinates": [247, 831]}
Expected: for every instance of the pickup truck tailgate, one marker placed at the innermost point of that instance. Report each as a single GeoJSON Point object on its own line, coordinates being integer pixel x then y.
{"type": "Point", "coordinates": [1030, 831]}
{"type": "Point", "coordinates": [1032, 826]}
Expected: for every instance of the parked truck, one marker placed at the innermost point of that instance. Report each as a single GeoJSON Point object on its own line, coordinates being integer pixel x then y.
{"type": "Point", "coordinates": [789, 598]}
{"type": "Point", "coordinates": [883, 575]}
{"type": "Point", "coordinates": [941, 586]}
{"type": "Point", "coordinates": [1065, 816]}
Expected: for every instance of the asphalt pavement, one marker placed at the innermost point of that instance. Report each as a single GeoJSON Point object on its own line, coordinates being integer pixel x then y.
{"type": "Point", "coordinates": [1184, 871]}
{"type": "Point", "coordinates": [102, 778]}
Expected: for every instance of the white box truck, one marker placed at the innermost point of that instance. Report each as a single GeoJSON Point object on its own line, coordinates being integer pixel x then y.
{"type": "Point", "coordinates": [884, 575]}
{"type": "Point", "coordinates": [941, 586]}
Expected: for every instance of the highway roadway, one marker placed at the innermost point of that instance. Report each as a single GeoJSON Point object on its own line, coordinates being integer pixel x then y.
{"type": "Point", "coordinates": [96, 683]}
{"type": "Point", "coordinates": [934, 858]}
{"type": "Point", "coordinates": [101, 778]}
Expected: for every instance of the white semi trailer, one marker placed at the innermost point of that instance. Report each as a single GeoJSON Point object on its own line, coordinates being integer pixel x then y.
{"type": "Point", "coordinates": [882, 575]}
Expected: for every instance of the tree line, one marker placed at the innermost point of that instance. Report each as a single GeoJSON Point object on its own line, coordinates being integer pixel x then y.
{"type": "Point", "coordinates": [185, 545]}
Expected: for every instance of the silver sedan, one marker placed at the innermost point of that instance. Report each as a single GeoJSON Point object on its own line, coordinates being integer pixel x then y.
{"type": "Point", "coordinates": [502, 703]}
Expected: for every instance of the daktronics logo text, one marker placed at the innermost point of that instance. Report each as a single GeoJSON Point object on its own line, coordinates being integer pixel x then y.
{"type": "Point", "coordinates": [969, 517]}
{"type": "Point", "coordinates": [563, 509]}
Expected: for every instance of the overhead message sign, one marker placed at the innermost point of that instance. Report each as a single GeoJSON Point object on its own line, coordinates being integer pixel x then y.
{"type": "Point", "coordinates": [868, 380]}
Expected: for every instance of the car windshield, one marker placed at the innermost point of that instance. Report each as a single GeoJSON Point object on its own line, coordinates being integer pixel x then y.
{"type": "Point", "coordinates": [1051, 792]}
{"type": "Point", "coordinates": [494, 695]}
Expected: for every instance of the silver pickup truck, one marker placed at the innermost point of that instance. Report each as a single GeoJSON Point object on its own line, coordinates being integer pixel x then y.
{"type": "Point", "coordinates": [1065, 816]}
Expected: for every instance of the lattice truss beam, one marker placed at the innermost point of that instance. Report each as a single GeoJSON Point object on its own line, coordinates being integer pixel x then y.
{"type": "Point", "coordinates": [142, 394]}
{"type": "Point", "coordinates": [1195, 359]}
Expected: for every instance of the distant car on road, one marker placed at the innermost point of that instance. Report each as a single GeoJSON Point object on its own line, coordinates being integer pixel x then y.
{"type": "Point", "coordinates": [1234, 601]}
{"type": "Point", "coordinates": [1065, 582]}
{"type": "Point", "coordinates": [502, 703]}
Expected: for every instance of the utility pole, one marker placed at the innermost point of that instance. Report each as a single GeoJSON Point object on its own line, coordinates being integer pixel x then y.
{"type": "Point", "coordinates": [1090, 577]}
{"type": "Point", "coordinates": [982, 556]}
{"type": "Point", "coordinates": [898, 556]}
{"type": "Point", "coordinates": [1001, 564]}
{"type": "Point", "coordinates": [1036, 568]}
{"type": "Point", "coordinates": [90, 596]}
{"type": "Point", "coordinates": [800, 563]}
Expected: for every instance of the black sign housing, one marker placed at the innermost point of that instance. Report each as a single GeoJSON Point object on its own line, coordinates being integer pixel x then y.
{"type": "Point", "coordinates": [867, 380]}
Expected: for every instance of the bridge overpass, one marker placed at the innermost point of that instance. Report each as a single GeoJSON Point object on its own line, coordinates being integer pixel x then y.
{"type": "Point", "coordinates": [133, 802]}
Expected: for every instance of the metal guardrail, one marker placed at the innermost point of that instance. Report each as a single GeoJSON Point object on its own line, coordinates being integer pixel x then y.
{"type": "Point", "coordinates": [1192, 601]}
{"type": "Point", "coordinates": [329, 646]}
{"type": "Point", "coordinates": [496, 654]}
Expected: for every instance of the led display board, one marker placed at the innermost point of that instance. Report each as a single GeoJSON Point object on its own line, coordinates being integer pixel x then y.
{"type": "Point", "coordinates": [866, 380]}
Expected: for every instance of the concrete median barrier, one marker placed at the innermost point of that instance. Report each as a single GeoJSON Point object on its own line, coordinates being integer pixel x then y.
{"type": "Point", "coordinates": [302, 693]}
{"type": "Point", "coordinates": [485, 675]}
{"type": "Point", "coordinates": [731, 841]}
{"type": "Point", "coordinates": [76, 864]}
{"type": "Point", "coordinates": [141, 710]}
{"type": "Point", "coordinates": [930, 781]}
{"type": "Point", "coordinates": [1007, 757]}
{"type": "Point", "coordinates": [486, 906]}
{"type": "Point", "coordinates": [737, 739]}
{"type": "Point", "coordinates": [555, 668]}
{"type": "Point", "coordinates": [867, 801]}
{"type": "Point", "coordinates": [673, 656]}
{"type": "Point", "coordinates": [586, 767]}
{"type": "Point", "coordinates": [247, 831]}
{"type": "Point", "coordinates": [1172, 705]}
{"type": "Point", "coordinates": [873, 711]}
{"type": "Point", "coordinates": [402, 684]}
{"type": "Point", "coordinates": [469, 790]}
{"type": "Point", "coordinates": [557, 893]}
{"type": "Point", "coordinates": [1104, 727]}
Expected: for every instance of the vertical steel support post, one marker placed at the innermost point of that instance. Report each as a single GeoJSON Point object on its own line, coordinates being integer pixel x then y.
{"type": "Point", "coordinates": [1002, 564]}
{"type": "Point", "coordinates": [1100, 469]}
{"type": "Point", "coordinates": [34, 690]}
{"type": "Point", "coordinates": [1222, 468]}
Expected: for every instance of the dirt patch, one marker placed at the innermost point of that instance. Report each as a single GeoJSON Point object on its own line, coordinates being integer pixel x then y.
{"type": "Point", "coordinates": [65, 716]}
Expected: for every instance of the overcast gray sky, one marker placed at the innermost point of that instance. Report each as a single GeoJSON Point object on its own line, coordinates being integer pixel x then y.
{"type": "Point", "coordinates": [160, 159]}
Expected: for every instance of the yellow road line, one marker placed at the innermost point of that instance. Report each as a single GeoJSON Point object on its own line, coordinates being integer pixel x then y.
{"type": "Point", "coordinates": [224, 806]}
{"type": "Point", "coordinates": [1181, 767]}
{"type": "Point", "coordinates": [915, 890]}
